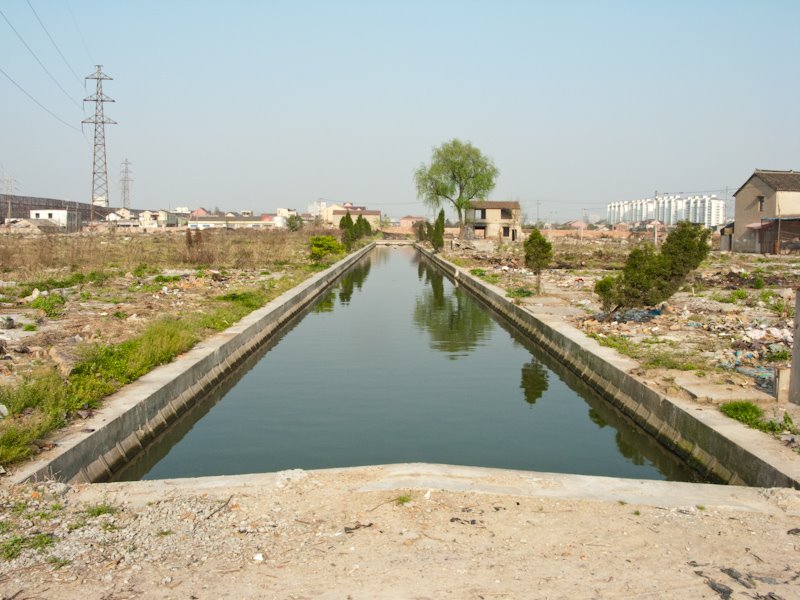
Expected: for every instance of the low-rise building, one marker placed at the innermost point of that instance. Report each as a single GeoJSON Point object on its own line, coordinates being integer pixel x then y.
{"type": "Point", "coordinates": [767, 216]}
{"type": "Point", "coordinates": [409, 222]}
{"type": "Point", "coordinates": [495, 220]}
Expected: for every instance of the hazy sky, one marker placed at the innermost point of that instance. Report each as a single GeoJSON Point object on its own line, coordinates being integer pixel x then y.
{"type": "Point", "coordinates": [256, 105]}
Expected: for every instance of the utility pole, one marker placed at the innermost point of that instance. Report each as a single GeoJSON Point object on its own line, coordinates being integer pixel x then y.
{"type": "Point", "coordinates": [538, 202]}
{"type": "Point", "coordinates": [99, 120]}
{"type": "Point", "coordinates": [125, 184]}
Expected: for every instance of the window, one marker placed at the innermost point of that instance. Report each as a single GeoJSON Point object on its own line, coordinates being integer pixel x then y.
{"type": "Point", "coordinates": [480, 213]}
{"type": "Point", "coordinates": [505, 213]}
{"type": "Point", "coordinates": [760, 200]}
{"type": "Point", "coordinates": [49, 215]}
{"type": "Point", "coordinates": [36, 216]}
{"type": "Point", "coordinates": [506, 231]}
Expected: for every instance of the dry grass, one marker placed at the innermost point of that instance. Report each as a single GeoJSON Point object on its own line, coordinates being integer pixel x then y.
{"type": "Point", "coordinates": [35, 257]}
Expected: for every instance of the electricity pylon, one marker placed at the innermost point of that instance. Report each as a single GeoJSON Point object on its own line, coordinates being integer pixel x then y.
{"type": "Point", "coordinates": [99, 120]}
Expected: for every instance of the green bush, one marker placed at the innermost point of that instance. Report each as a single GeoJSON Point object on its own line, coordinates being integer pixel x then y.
{"type": "Point", "coordinates": [51, 304]}
{"type": "Point", "coordinates": [538, 254]}
{"type": "Point", "coordinates": [324, 245]}
{"type": "Point", "coordinates": [650, 277]}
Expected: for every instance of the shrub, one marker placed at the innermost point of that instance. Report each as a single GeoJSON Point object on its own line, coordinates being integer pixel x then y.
{"type": "Point", "coordinates": [538, 254]}
{"type": "Point", "coordinates": [51, 304]}
{"type": "Point", "coordinates": [324, 245]}
{"type": "Point", "coordinates": [650, 277]}
{"type": "Point", "coordinates": [437, 239]}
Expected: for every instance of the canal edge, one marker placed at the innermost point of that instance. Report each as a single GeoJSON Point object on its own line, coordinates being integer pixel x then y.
{"type": "Point", "coordinates": [710, 442]}
{"type": "Point", "coordinates": [94, 449]}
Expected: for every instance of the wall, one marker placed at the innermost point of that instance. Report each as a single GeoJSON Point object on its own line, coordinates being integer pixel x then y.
{"type": "Point", "coordinates": [712, 443]}
{"type": "Point", "coordinates": [746, 240]}
{"type": "Point", "coordinates": [97, 447]}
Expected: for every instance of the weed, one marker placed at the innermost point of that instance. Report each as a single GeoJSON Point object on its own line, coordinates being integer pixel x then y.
{"type": "Point", "coordinates": [521, 292]}
{"type": "Point", "coordinates": [108, 527]}
{"type": "Point", "coordinates": [752, 416]}
{"type": "Point", "coordinates": [5, 526]}
{"type": "Point", "coordinates": [29, 327]}
{"type": "Point", "coordinates": [637, 513]}
{"type": "Point", "coordinates": [779, 355]}
{"type": "Point", "coordinates": [477, 272]}
{"type": "Point", "coordinates": [166, 278]}
{"type": "Point", "coordinates": [40, 541]}
{"type": "Point", "coordinates": [120, 315]}
{"type": "Point", "coordinates": [50, 304]}
{"type": "Point", "coordinates": [621, 502]}
{"type": "Point", "coordinates": [164, 532]}
{"type": "Point", "coordinates": [58, 562]}
{"type": "Point", "coordinates": [141, 270]}
{"type": "Point", "coordinates": [11, 548]}
{"type": "Point", "coordinates": [100, 509]}
{"type": "Point", "coordinates": [701, 507]}
{"type": "Point", "coordinates": [248, 299]}
{"type": "Point", "coordinates": [404, 499]}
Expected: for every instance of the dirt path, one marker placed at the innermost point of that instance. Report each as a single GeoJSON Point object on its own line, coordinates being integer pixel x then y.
{"type": "Point", "coordinates": [410, 531]}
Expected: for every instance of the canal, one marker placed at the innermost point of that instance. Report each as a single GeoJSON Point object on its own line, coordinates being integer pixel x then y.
{"type": "Point", "coordinates": [396, 364]}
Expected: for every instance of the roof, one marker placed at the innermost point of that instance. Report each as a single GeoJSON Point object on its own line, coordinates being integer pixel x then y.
{"type": "Point", "coordinates": [780, 181]}
{"type": "Point", "coordinates": [357, 212]}
{"type": "Point", "coordinates": [492, 204]}
{"type": "Point", "coordinates": [410, 217]}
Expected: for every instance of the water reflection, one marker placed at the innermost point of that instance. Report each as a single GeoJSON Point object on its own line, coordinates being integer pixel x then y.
{"type": "Point", "coordinates": [627, 450]}
{"type": "Point", "coordinates": [534, 381]}
{"type": "Point", "coordinates": [350, 281]}
{"type": "Point", "coordinates": [353, 279]}
{"type": "Point", "coordinates": [456, 323]}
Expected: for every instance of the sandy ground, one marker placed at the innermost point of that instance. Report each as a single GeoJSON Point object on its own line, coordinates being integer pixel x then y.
{"type": "Point", "coordinates": [411, 531]}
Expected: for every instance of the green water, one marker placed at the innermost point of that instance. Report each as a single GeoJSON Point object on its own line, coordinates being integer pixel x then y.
{"type": "Point", "coordinates": [395, 364]}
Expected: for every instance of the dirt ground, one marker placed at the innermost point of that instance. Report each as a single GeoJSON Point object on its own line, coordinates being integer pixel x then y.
{"type": "Point", "coordinates": [351, 534]}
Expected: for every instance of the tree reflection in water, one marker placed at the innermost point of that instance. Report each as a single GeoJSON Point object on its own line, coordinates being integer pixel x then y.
{"type": "Point", "coordinates": [534, 381]}
{"type": "Point", "coordinates": [456, 323]}
{"type": "Point", "coordinates": [354, 278]}
{"type": "Point", "coordinates": [627, 450]}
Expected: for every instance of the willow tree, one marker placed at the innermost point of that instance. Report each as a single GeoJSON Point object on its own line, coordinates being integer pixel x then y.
{"type": "Point", "coordinates": [458, 174]}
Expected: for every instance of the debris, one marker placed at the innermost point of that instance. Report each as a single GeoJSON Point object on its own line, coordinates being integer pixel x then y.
{"type": "Point", "coordinates": [356, 525]}
{"type": "Point", "coordinates": [795, 531]}
{"type": "Point", "coordinates": [3, 411]}
{"type": "Point", "coordinates": [7, 323]}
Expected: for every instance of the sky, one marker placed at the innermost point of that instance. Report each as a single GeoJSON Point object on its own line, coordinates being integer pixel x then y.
{"type": "Point", "coordinates": [255, 105]}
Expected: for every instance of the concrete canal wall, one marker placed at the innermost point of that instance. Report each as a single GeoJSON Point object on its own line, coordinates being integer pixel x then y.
{"type": "Point", "coordinates": [715, 445]}
{"type": "Point", "coordinates": [92, 450]}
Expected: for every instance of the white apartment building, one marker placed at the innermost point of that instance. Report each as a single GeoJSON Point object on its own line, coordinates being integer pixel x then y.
{"type": "Point", "coordinates": [706, 210]}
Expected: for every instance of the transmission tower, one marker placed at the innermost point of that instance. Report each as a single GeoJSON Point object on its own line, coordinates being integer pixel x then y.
{"type": "Point", "coordinates": [125, 184]}
{"type": "Point", "coordinates": [99, 167]}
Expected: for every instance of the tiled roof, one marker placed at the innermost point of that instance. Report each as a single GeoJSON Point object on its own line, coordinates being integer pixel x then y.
{"type": "Point", "coordinates": [780, 181]}
{"type": "Point", "coordinates": [491, 204]}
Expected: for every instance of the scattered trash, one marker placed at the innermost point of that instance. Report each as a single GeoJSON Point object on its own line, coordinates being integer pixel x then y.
{"type": "Point", "coordinates": [258, 557]}
{"type": "Point", "coordinates": [463, 521]}
{"type": "Point", "coordinates": [356, 526]}
{"type": "Point", "coordinates": [3, 411]}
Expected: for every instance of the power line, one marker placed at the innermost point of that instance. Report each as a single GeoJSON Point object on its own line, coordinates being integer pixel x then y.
{"type": "Point", "coordinates": [41, 64]}
{"type": "Point", "coordinates": [42, 106]}
{"type": "Point", "coordinates": [52, 41]}
{"type": "Point", "coordinates": [80, 34]}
